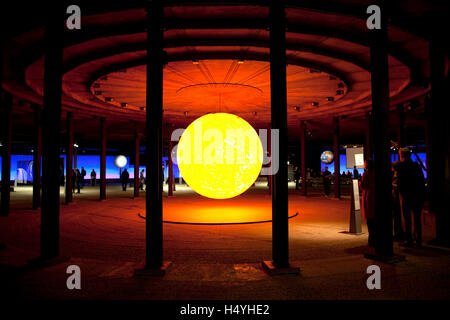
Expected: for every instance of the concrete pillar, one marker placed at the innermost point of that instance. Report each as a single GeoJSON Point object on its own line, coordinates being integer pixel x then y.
{"type": "Point", "coordinates": [6, 139]}
{"type": "Point", "coordinates": [51, 170]}
{"type": "Point", "coordinates": [303, 157]}
{"type": "Point", "coordinates": [69, 157]}
{"type": "Point", "coordinates": [337, 160]}
{"type": "Point", "coordinates": [37, 154]}
{"type": "Point", "coordinates": [280, 231]}
{"type": "Point", "coordinates": [103, 159]}
{"type": "Point", "coordinates": [154, 136]}
{"type": "Point", "coordinates": [137, 145]}
{"type": "Point", "coordinates": [381, 140]}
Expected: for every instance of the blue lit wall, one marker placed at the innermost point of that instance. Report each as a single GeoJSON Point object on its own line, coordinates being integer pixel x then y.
{"type": "Point", "coordinates": [88, 162]}
{"type": "Point", "coordinates": [343, 164]}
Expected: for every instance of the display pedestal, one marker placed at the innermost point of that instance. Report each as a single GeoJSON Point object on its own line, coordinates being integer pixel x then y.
{"type": "Point", "coordinates": [355, 210]}
{"type": "Point", "coordinates": [272, 270]}
{"type": "Point", "coordinates": [143, 271]}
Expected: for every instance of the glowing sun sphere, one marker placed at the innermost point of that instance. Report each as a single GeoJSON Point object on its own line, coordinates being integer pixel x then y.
{"type": "Point", "coordinates": [220, 155]}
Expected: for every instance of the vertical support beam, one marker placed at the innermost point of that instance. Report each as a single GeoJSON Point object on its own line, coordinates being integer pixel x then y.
{"type": "Point", "coordinates": [368, 152]}
{"type": "Point", "coordinates": [154, 126]}
{"type": "Point", "coordinates": [303, 157]}
{"type": "Point", "coordinates": [438, 143]}
{"type": "Point", "coordinates": [170, 167]}
{"type": "Point", "coordinates": [280, 231]}
{"type": "Point", "coordinates": [269, 154]}
{"type": "Point", "coordinates": [137, 146]}
{"type": "Point", "coordinates": [6, 139]}
{"type": "Point", "coordinates": [52, 134]}
{"type": "Point", "coordinates": [37, 154]}
{"type": "Point", "coordinates": [103, 159]}
{"type": "Point", "coordinates": [401, 126]}
{"type": "Point", "coordinates": [69, 157]}
{"type": "Point", "coordinates": [337, 159]}
{"type": "Point", "coordinates": [381, 139]}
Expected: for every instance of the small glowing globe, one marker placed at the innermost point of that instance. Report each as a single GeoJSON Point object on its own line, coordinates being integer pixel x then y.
{"type": "Point", "coordinates": [327, 157]}
{"type": "Point", "coordinates": [120, 161]}
{"type": "Point", "coordinates": [220, 155]}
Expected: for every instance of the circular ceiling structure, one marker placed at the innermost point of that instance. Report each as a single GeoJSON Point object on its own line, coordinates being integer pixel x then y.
{"type": "Point", "coordinates": [218, 62]}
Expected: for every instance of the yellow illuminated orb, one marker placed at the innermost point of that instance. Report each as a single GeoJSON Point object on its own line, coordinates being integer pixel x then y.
{"type": "Point", "coordinates": [220, 155]}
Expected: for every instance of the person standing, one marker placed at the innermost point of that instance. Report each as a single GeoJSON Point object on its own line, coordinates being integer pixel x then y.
{"type": "Point", "coordinates": [77, 179]}
{"type": "Point", "coordinates": [124, 179]}
{"type": "Point", "coordinates": [82, 175]}
{"type": "Point", "coordinates": [74, 179]}
{"type": "Point", "coordinates": [141, 180]}
{"type": "Point", "coordinates": [411, 188]}
{"type": "Point", "coordinates": [355, 173]}
{"type": "Point", "coordinates": [297, 178]}
{"type": "Point", "coordinates": [368, 199]}
{"type": "Point", "coordinates": [326, 176]}
{"type": "Point", "coordinates": [93, 177]}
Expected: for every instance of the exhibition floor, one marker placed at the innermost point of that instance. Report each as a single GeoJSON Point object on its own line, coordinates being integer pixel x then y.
{"type": "Point", "coordinates": [107, 241]}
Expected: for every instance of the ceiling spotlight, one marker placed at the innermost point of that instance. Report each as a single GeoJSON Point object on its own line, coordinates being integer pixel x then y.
{"type": "Point", "coordinates": [195, 62]}
{"type": "Point", "coordinates": [297, 108]}
{"type": "Point", "coordinates": [315, 104]}
{"type": "Point", "coordinates": [124, 104]}
{"type": "Point", "coordinates": [330, 98]}
{"type": "Point", "coordinates": [240, 61]}
{"type": "Point", "coordinates": [75, 145]}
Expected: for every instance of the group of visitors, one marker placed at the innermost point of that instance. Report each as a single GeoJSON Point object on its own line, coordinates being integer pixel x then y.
{"type": "Point", "coordinates": [408, 196]}
{"type": "Point", "coordinates": [125, 176]}
{"type": "Point", "coordinates": [78, 179]}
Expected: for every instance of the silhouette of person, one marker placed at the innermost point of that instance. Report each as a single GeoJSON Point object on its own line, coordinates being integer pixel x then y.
{"type": "Point", "coordinates": [82, 175]}
{"type": "Point", "coordinates": [355, 173]}
{"type": "Point", "coordinates": [93, 177]}
{"type": "Point", "coordinates": [326, 176]}
{"type": "Point", "coordinates": [396, 210]}
{"type": "Point", "coordinates": [124, 179]}
{"type": "Point", "coordinates": [411, 187]}
{"type": "Point", "coordinates": [141, 180]}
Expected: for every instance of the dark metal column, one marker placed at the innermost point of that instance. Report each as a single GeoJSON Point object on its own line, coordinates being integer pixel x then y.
{"type": "Point", "coordinates": [438, 143]}
{"type": "Point", "coordinates": [280, 231]}
{"type": "Point", "coordinates": [69, 158]}
{"type": "Point", "coordinates": [401, 126]}
{"type": "Point", "coordinates": [103, 159]}
{"type": "Point", "coordinates": [337, 159]}
{"type": "Point", "coordinates": [52, 134]}
{"type": "Point", "coordinates": [37, 154]}
{"type": "Point", "coordinates": [170, 168]}
{"type": "Point", "coordinates": [154, 136]}
{"type": "Point", "coordinates": [137, 146]}
{"type": "Point", "coordinates": [6, 139]}
{"type": "Point", "coordinates": [303, 157]}
{"type": "Point", "coordinates": [368, 150]}
{"type": "Point", "coordinates": [381, 139]}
